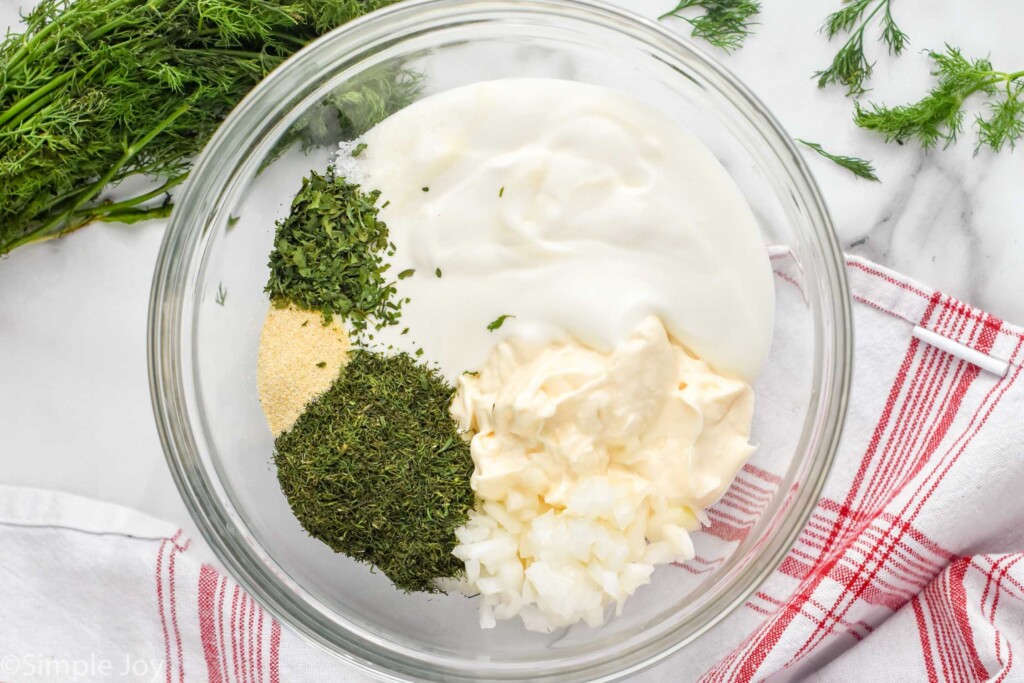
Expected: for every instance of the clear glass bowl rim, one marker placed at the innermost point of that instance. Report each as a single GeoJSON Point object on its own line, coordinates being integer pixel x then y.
{"type": "Point", "coordinates": [219, 524]}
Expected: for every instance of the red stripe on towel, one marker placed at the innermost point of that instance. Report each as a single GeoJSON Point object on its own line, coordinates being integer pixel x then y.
{"type": "Point", "coordinates": [174, 609]}
{"type": "Point", "coordinates": [208, 582]}
{"type": "Point", "coordinates": [160, 605]}
{"type": "Point", "coordinates": [275, 648]}
{"type": "Point", "coordinates": [234, 643]}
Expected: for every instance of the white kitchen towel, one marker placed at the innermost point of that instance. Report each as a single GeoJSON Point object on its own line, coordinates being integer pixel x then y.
{"type": "Point", "coordinates": [911, 567]}
{"type": "Point", "coordinates": [94, 592]}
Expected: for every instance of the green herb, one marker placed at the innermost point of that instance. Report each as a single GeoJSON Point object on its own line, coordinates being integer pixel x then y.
{"type": "Point", "coordinates": [939, 115]}
{"type": "Point", "coordinates": [350, 111]}
{"type": "Point", "coordinates": [850, 66]}
{"type": "Point", "coordinates": [364, 102]}
{"type": "Point", "coordinates": [419, 352]}
{"type": "Point", "coordinates": [95, 91]}
{"type": "Point", "coordinates": [328, 254]}
{"type": "Point", "coordinates": [233, 221]}
{"type": "Point", "coordinates": [408, 272]}
{"type": "Point", "coordinates": [501, 192]}
{"type": "Point", "coordinates": [859, 167]}
{"type": "Point", "coordinates": [222, 294]}
{"type": "Point", "coordinates": [354, 108]}
{"type": "Point", "coordinates": [498, 322]}
{"type": "Point", "coordinates": [474, 373]}
{"type": "Point", "coordinates": [437, 272]}
{"type": "Point", "coordinates": [376, 469]}
{"type": "Point", "coordinates": [426, 189]}
{"type": "Point", "coordinates": [724, 23]}
{"type": "Point", "coordinates": [322, 364]}
{"type": "Point", "coordinates": [360, 148]}
{"type": "Point", "coordinates": [405, 331]}
{"type": "Point", "coordinates": [304, 323]}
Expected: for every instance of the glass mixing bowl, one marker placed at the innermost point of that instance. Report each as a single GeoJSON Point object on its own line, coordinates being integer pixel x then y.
{"type": "Point", "coordinates": [208, 305]}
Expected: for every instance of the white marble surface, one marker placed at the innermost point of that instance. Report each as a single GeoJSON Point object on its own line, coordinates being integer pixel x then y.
{"type": "Point", "coordinates": [74, 400]}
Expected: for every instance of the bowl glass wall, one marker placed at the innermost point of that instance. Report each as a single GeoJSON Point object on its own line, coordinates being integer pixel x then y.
{"type": "Point", "coordinates": [208, 306]}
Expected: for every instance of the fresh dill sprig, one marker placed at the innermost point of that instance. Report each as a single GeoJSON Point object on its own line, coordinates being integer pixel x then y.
{"type": "Point", "coordinates": [724, 23]}
{"type": "Point", "coordinates": [222, 294]}
{"type": "Point", "coordinates": [850, 67]}
{"type": "Point", "coordinates": [939, 114]}
{"type": "Point", "coordinates": [95, 91]}
{"type": "Point", "coordinates": [859, 167]}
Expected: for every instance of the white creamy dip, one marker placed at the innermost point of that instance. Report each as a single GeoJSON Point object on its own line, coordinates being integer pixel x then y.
{"type": "Point", "coordinates": [574, 208]}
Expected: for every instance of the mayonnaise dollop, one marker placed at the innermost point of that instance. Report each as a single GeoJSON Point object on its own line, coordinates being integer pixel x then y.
{"type": "Point", "coordinates": [591, 468]}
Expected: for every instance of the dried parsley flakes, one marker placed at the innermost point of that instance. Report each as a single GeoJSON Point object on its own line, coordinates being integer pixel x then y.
{"type": "Point", "coordinates": [498, 322]}
{"type": "Point", "coordinates": [376, 469]}
{"type": "Point", "coordinates": [329, 252]}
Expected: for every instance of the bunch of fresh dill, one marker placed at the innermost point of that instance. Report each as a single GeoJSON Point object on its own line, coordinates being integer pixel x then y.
{"type": "Point", "coordinates": [95, 91]}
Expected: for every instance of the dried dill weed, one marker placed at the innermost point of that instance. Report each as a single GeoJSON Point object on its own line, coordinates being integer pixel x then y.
{"type": "Point", "coordinates": [367, 454]}
{"type": "Point", "coordinates": [299, 358]}
{"type": "Point", "coordinates": [376, 468]}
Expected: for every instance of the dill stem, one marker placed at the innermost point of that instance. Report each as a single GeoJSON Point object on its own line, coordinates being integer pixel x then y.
{"type": "Point", "coordinates": [24, 102]}
{"type": "Point", "coordinates": [109, 209]}
{"type": "Point", "coordinates": [859, 33]}
{"type": "Point", "coordinates": [674, 12]}
{"type": "Point", "coordinates": [244, 54]}
{"type": "Point", "coordinates": [1004, 76]}
{"type": "Point", "coordinates": [134, 149]}
{"type": "Point", "coordinates": [119, 211]}
{"type": "Point", "coordinates": [994, 77]}
{"type": "Point", "coordinates": [295, 40]}
{"type": "Point", "coordinates": [45, 101]}
{"type": "Point", "coordinates": [48, 91]}
{"type": "Point", "coordinates": [23, 108]}
{"type": "Point", "coordinates": [867, 20]}
{"type": "Point", "coordinates": [18, 123]}
{"type": "Point", "coordinates": [28, 153]}
{"type": "Point", "coordinates": [165, 20]}
{"type": "Point", "coordinates": [89, 193]}
{"type": "Point", "coordinates": [129, 216]}
{"type": "Point", "coordinates": [60, 203]}
{"type": "Point", "coordinates": [40, 236]}
{"type": "Point", "coordinates": [36, 43]}
{"type": "Point", "coordinates": [106, 28]}
{"type": "Point", "coordinates": [31, 44]}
